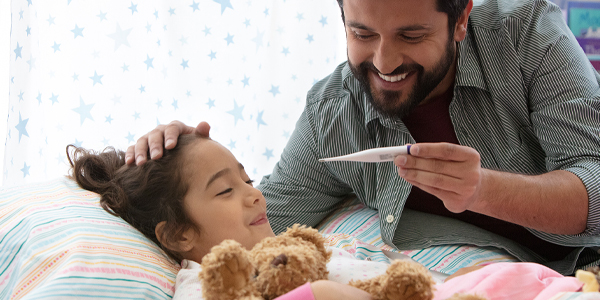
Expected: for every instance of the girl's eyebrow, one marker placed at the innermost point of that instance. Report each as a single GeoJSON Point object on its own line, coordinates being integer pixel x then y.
{"type": "Point", "coordinates": [221, 174]}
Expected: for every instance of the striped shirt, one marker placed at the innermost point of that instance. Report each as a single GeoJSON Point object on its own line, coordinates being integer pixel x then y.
{"type": "Point", "coordinates": [525, 97]}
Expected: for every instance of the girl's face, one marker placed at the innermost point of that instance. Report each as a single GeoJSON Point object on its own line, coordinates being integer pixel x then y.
{"type": "Point", "coordinates": [222, 201]}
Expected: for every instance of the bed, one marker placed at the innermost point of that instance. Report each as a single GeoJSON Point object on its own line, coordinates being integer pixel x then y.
{"type": "Point", "coordinates": [57, 242]}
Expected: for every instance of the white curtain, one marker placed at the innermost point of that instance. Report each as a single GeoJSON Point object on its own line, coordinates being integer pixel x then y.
{"type": "Point", "coordinates": [103, 73]}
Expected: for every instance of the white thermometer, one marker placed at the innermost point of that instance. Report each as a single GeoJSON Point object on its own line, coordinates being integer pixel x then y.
{"type": "Point", "coordinates": [372, 155]}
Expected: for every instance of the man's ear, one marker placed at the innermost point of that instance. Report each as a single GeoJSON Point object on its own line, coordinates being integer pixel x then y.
{"type": "Point", "coordinates": [460, 29]}
{"type": "Point", "coordinates": [182, 243]}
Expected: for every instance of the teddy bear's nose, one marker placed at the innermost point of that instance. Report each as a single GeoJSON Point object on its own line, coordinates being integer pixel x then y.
{"type": "Point", "coordinates": [281, 259]}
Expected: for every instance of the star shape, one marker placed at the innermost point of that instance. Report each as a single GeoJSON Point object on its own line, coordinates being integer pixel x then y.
{"type": "Point", "coordinates": [120, 37]}
{"type": "Point", "coordinates": [206, 30]}
{"type": "Point", "coordinates": [194, 6]}
{"type": "Point", "coordinates": [102, 16]}
{"type": "Point", "coordinates": [148, 27]}
{"type": "Point", "coordinates": [210, 103]}
{"type": "Point", "coordinates": [323, 21]}
{"type": "Point", "coordinates": [18, 51]}
{"type": "Point", "coordinates": [156, 14]}
{"type": "Point", "coordinates": [148, 62]}
{"type": "Point", "coordinates": [142, 88]}
{"type": "Point", "coordinates": [21, 96]}
{"type": "Point", "coordinates": [39, 97]}
{"type": "Point", "coordinates": [229, 39]}
{"type": "Point", "coordinates": [299, 16]}
{"type": "Point", "coordinates": [236, 112]}
{"type": "Point", "coordinates": [84, 110]}
{"type": "Point", "coordinates": [136, 115]}
{"type": "Point", "coordinates": [310, 38]}
{"type": "Point", "coordinates": [50, 20]}
{"type": "Point", "coordinates": [56, 47]}
{"type": "Point", "coordinates": [246, 80]}
{"type": "Point", "coordinates": [77, 143]}
{"type": "Point", "coordinates": [274, 90]}
{"type": "Point", "coordinates": [224, 4]}
{"type": "Point", "coordinates": [268, 153]}
{"type": "Point", "coordinates": [175, 105]}
{"type": "Point", "coordinates": [130, 137]}
{"type": "Point", "coordinates": [266, 12]}
{"type": "Point", "coordinates": [125, 67]}
{"type": "Point", "coordinates": [231, 144]}
{"type": "Point", "coordinates": [96, 78]}
{"type": "Point", "coordinates": [183, 40]}
{"type": "Point", "coordinates": [25, 170]}
{"type": "Point", "coordinates": [247, 23]}
{"type": "Point", "coordinates": [286, 51]}
{"type": "Point", "coordinates": [259, 119]}
{"type": "Point", "coordinates": [184, 63]}
{"type": "Point", "coordinates": [158, 103]}
{"type": "Point", "coordinates": [116, 99]}
{"type": "Point", "coordinates": [31, 62]}
{"type": "Point", "coordinates": [28, 30]}
{"type": "Point", "coordinates": [108, 119]}
{"type": "Point", "coordinates": [54, 98]}
{"type": "Point", "coordinates": [75, 77]}
{"type": "Point", "coordinates": [77, 31]}
{"type": "Point", "coordinates": [21, 127]}
{"type": "Point", "coordinates": [258, 39]}
{"type": "Point", "coordinates": [133, 8]}
{"type": "Point", "coordinates": [212, 55]}
{"type": "Point", "coordinates": [171, 11]}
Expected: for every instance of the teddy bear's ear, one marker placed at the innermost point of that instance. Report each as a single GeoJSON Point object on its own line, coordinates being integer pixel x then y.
{"type": "Point", "coordinates": [309, 234]}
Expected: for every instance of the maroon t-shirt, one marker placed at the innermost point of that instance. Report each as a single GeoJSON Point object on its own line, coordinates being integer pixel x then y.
{"type": "Point", "coordinates": [431, 122]}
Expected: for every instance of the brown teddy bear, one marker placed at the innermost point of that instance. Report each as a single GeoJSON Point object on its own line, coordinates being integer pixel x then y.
{"type": "Point", "coordinates": [280, 264]}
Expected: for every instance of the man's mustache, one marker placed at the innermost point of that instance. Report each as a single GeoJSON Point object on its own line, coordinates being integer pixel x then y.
{"type": "Point", "coordinates": [405, 68]}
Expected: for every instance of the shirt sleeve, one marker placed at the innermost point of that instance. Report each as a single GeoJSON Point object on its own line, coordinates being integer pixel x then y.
{"type": "Point", "coordinates": [303, 292]}
{"type": "Point", "coordinates": [564, 103]}
{"type": "Point", "coordinates": [301, 189]}
{"type": "Point", "coordinates": [187, 283]}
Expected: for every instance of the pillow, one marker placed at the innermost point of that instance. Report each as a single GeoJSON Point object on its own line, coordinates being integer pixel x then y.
{"type": "Point", "coordinates": [57, 242]}
{"type": "Point", "coordinates": [355, 228]}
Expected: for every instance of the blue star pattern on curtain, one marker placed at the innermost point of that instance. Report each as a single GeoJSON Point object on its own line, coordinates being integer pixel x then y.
{"type": "Point", "coordinates": [103, 73]}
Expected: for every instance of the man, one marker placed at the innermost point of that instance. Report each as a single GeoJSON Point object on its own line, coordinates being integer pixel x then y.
{"type": "Point", "coordinates": [504, 109]}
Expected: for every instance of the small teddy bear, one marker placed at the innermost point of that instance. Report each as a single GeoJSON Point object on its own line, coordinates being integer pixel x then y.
{"type": "Point", "coordinates": [280, 264]}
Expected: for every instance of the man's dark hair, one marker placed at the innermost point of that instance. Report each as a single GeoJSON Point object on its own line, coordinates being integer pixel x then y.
{"type": "Point", "coordinates": [453, 8]}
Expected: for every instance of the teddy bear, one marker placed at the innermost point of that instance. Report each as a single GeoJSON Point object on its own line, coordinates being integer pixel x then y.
{"type": "Point", "coordinates": [277, 265]}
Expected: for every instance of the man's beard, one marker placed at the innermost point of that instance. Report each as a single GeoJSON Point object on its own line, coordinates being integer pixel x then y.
{"type": "Point", "coordinates": [388, 102]}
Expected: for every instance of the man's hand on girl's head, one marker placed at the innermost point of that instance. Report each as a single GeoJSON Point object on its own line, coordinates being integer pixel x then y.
{"type": "Point", "coordinates": [161, 136]}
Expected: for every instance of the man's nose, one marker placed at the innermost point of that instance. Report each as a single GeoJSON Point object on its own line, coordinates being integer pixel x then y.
{"type": "Point", "coordinates": [387, 56]}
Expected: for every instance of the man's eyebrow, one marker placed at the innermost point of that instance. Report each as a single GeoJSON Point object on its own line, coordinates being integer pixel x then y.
{"type": "Point", "coordinates": [415, 27]}
{"type": "Point", "coordinates": [221, 173]}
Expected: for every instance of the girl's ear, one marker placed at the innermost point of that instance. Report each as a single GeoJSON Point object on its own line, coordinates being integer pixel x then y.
{"type": "Point", "coordinates": [182, 243]}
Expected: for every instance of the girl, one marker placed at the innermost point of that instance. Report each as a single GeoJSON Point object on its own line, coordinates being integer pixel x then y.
{"type": "Point", "coordinates": [193, 198]}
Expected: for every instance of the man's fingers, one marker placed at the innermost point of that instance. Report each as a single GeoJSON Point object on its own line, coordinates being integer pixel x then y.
{"type": "Point", "coordinates": [203, 129]}
{"type": "Point", "coordinates": [172, 131]}
{"type": "Point", "coordinates": [155, 142]}
{"type": "Point", "coordinates": [141, 148]}
{"type": "Point", "coordinates": [129, 155]}
{"type": "Point", "coordinates": [439, 181]}
{"type": "Point", "coordinates": [444, 151]}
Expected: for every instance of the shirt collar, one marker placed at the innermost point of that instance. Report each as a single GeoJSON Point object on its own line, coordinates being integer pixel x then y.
{"type": "Point", "coordinates": [352, 84]}
{"type": "Point", "coordinates": [468, 69]}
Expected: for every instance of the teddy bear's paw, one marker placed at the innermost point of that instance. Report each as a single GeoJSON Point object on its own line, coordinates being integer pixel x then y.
{"type": "Point", "coordinates": [309, 234]}
{"type": "Point", "coordinates": [227, 271]}
{"type": "Point", "coordinates": [409, 280]}
{"type": "Point", "coordinates": [458, 296]}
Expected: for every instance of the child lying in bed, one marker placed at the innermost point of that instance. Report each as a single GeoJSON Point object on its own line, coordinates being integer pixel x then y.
{"type": "Point", "coordinates": [193, 198]}
{"type": "Point", "coordinates": [198, 195]}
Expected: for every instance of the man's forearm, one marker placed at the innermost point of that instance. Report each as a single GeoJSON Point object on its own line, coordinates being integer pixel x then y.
{"type": "Point", "coordinates": [555, 202]}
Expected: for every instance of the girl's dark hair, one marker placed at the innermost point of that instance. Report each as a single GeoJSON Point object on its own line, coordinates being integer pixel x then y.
{"type": "Point", "coordinates": [453, 8]}
{"type": "Point", "coordinates": [143, 195]}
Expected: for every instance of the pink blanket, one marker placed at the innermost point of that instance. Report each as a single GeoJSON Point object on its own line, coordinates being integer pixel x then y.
{"type": "Point", "coordinates": [510, 281]}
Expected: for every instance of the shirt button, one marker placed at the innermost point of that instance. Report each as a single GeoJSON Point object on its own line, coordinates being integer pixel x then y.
{"type": "Point", "coordinates": [389, 218]}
